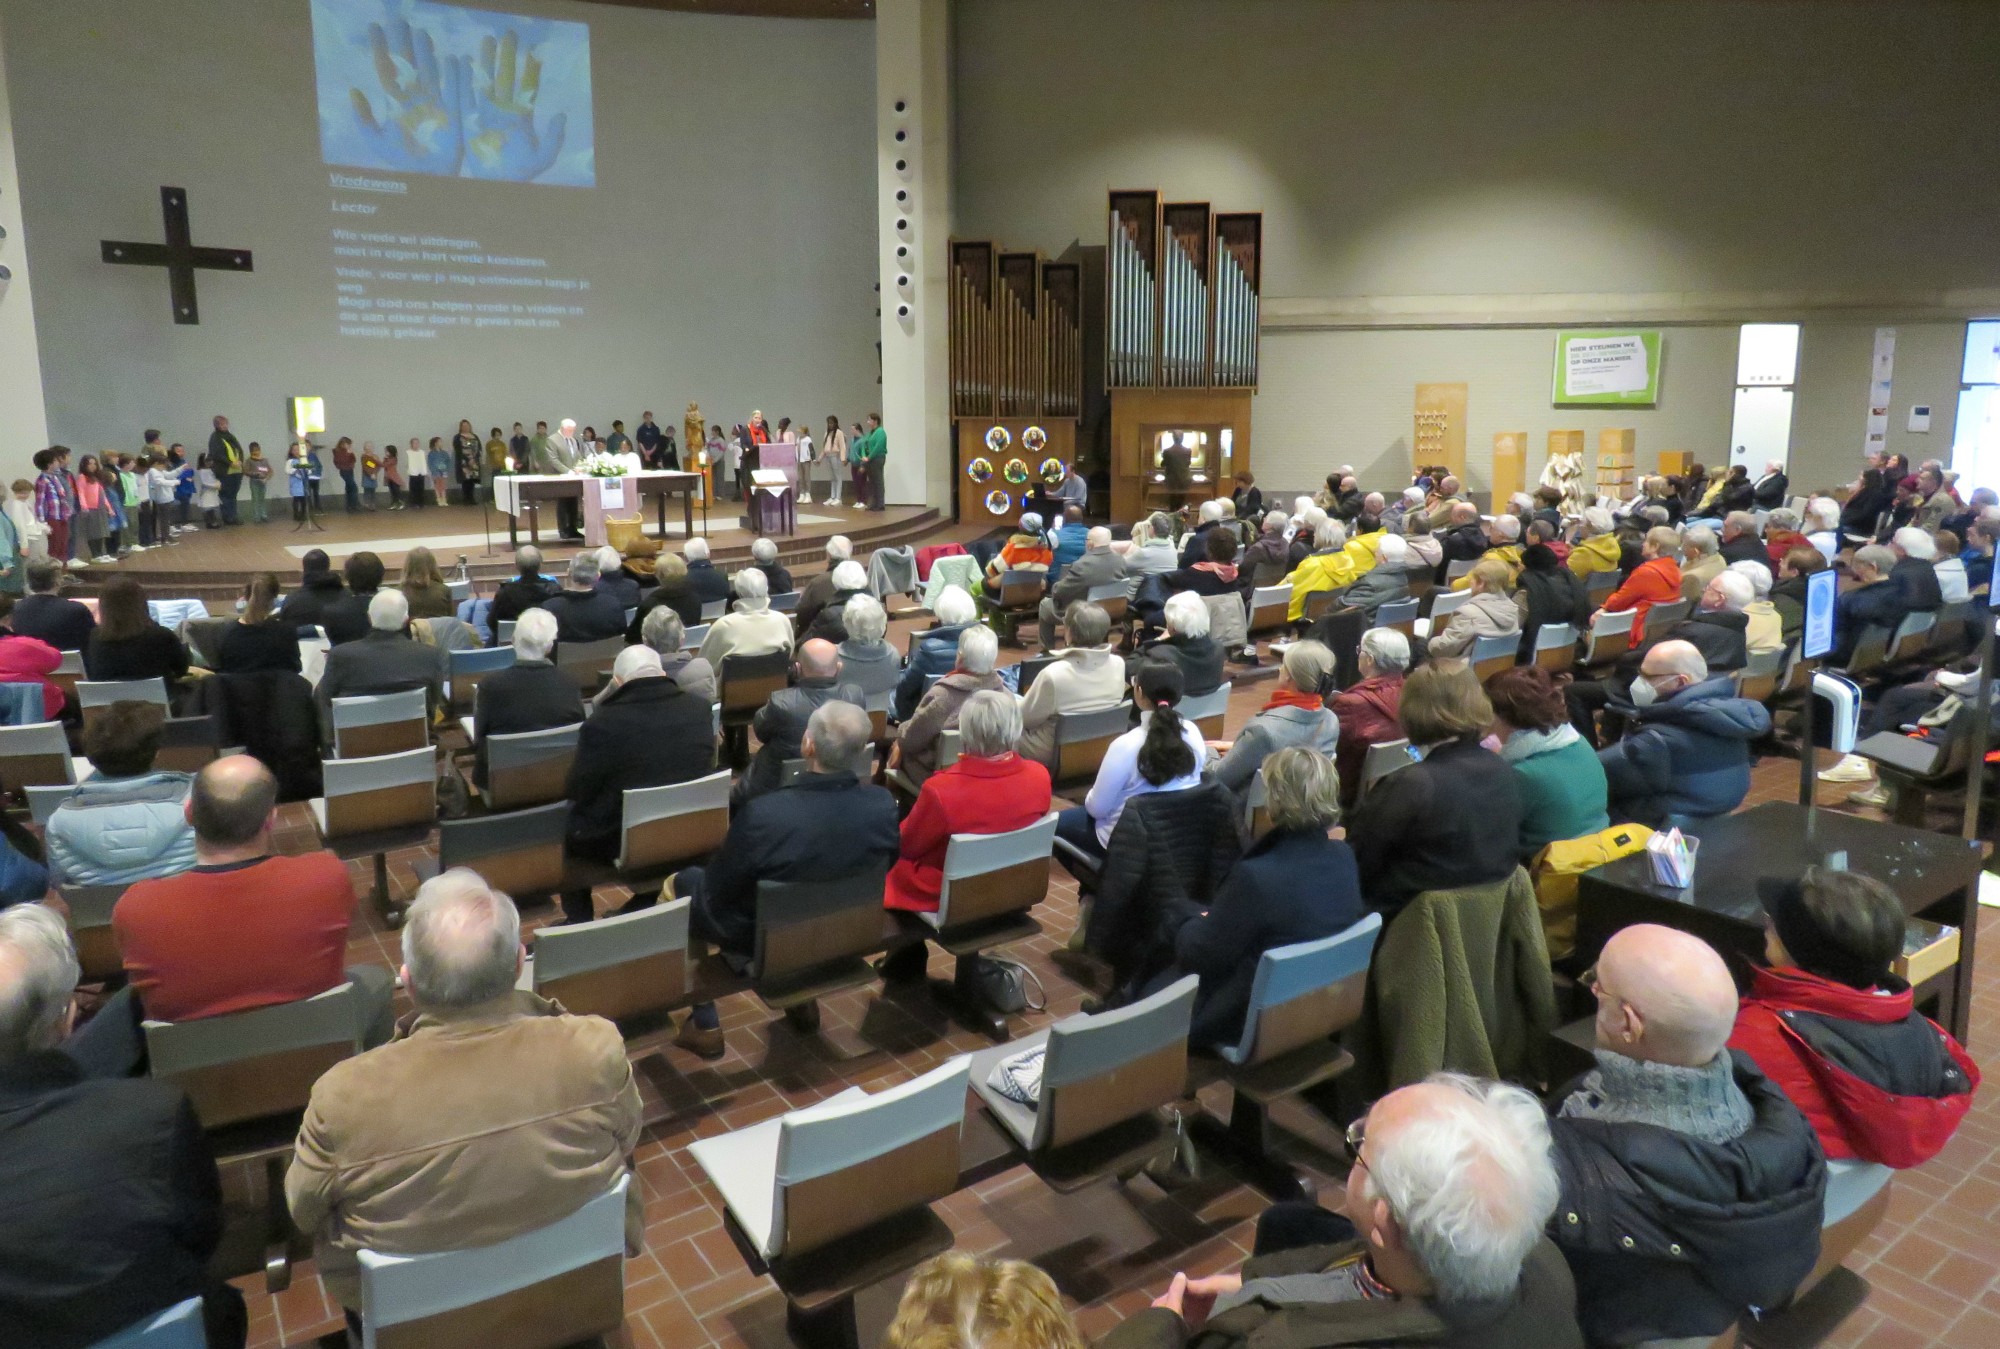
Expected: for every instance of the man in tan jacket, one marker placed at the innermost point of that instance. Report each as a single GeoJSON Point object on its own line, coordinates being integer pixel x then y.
{"type": "Point", "coordinates": [492, 1112]}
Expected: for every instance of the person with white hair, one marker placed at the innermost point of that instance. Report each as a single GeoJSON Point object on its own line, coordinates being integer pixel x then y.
{"type": "Point", "coordinates": [1701, 560]}
{"type": "Point", "coordinates": [1098, 566]}
{"type": "Point", "coordinates": [1087, 675]}
{"type": "Point", "coordinates": [934, 650]}
{"type": "Point", "coordinates": [1207, 520]}
{"type": "Point", "coordinates": [1267, 559]}
{"type": "Point", "coordinates": [1151, 550]}
{"type": "Point", "coordinates": [780, 724]}
{"type": "Point", "coordinates": [133, 1145]}
{"type": "Point", "coordinates": [865, 658]}
{"type": "Point", "coordinates": [493, 1114]}
{"type": "Point", "coordinates": [819, 589]}
{"type": "Point", "coordinates": [556, 456]}
{"type": "Point", "coordinates": [1386, 582]}
{"type": "Point", "coordinates": [850, 582]}
{"type": "Point", "coordinates": [1915, 572]}
{"type": "Point", "coordinates": [614, 580]}
{"type": "Point", "coordinates": [1438, 1239]}
{"type": "Point", "coordinates": [1686, 754]}
{"type": "Point", "coordinates": [1594, 546]}
{"type": "Point", "coordinates": [1328, 566]}
{"type": "Point", "coordinates": [1367, 711]}
{"type": "Point", "coordinates": [1187, 644]}
{"type": "Point", "coordinates": [1768, 491]}
{"type": "Point", "coordinates": [704, 577]}
{"type": "Point", "coordinates": [1397, 511]}
{"type": "Point", "coordinates": [751, 627]}
{"type": "Point", "coordinates": [529, 695]}
{"type": "Point", "coordinates": [524, 590]}
{"type": "Point", "coordinates": [662, 630]}
{"type": "Point", "coordinates": [1740, 538]}
{"type": "Point", "coordinates": [585, 612]}
{"type": "Point", "coordinates": [1874, 601]}
{"type": "Point", "coordinates": [975, 652]}
{"type": "Point", "coordinates": [1765, 630]}
{"type": "Point", "coordinates": [387, 660]}
{"type": "Point", "coordinates": [764, 557]}
{"type": "Point", "coordinates": [1294, 714]}
{"type": "Point", "coordinates": [1692, 1188]}
{"type": "Point", "coordinates": [1822, 526]}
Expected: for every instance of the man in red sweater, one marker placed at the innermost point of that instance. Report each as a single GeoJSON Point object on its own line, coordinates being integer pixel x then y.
{"type": "Point", "coordinates": [244, 928]}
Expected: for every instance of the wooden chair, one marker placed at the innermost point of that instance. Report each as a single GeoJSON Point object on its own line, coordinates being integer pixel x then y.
{"type": "Point", "coordinates": [1269, 606]}
{"type": "Point", "coordinates": [187, 745]}
{"type": "Point", "coordinates": [464, 670]}
{"type": "Point", "coordinates": [1660, 617]}
{"type": "Point", "coordinates": [529, 768]}
{"type": "Point", "coordinates": [1256, 808]}
{"type": "Point", "coordinates": [1458, 567]}
{"type": "Point", "coordinates": [812, 936]}
{"type": "Point", "coordinates": [1443, 604]}
{"type": "Point", "coordinates": [1599, 586]}
{"type": "Point", "coordinates": [1319, 603]}
{"type": "Point", "coordinates": [90, 909]}
{"type": "Point", "coordinates": [553, 1286]}
{"type": "Point", "coordinates": [1758, 679]}
{"type": "Point", "coordinates": [1400, 615]}
{"type": "Point", "coordinates": [1207, 710]}
{"type": "Point", "coordinates": [1115, 599]}
{"type": "Point", "coordinates": [1912, 635]}
{"type": "Point", "coordinates": [1017, 598]}
{"type": "Point", "coordinates": [1610, 637]}
{"type": "Point", "coordinates": [786, 602]}
{"type": "Point", "coordinates": [1555, 646]}
{"type": "Point", "coordinates": [1031, 669]}
{"type": "Point", "coordinates": [178, 1327]}
{"type": "Point", "coordinates": [836, 1197]}
{"type": "Point", "coordinates": [1871, 649]}
{"type": "Point", "coordinates": [374, 806]}
{"type": "Point", "coordinates": [1301, 997]}
{"type": "Point", "coordinates": [992, 882]}
{"type": "Point", "coordinates": [1490, 655]}
{"type": "Point", "coordinates": [743, 685]}
{"type": "Point", "coordinates": [1390, 756]}
{"type": "Point", "coordinates": [68, 674]}
{"type": "Point", "coordinates": [665, 827]}
{"type": "Point", "coordinates": [586, 662]}
{"type": "Point", "coordinates": [37, 755]}
{"type": "Point", "coordinates": [503, 632]}
{"type": "Point", "coordinates": [382, 723]}
{"type": "Point", "coordinates": [519, 853]}
{"type": "Point", "coordinates": [1798, 672]}
{"type": "Point", "coordinates": [92, 694]}
{"type": "Point", "coordinates": [1104, 1079]}
{"type": "Point", "coordinates": [1083, 737]}
{"type": "Point", "coordinates": [1914, 770]}
{"type": "Point", "coordinates": [1857, 1199]}
{"type": "Point", "coordinates": [253, 1065]}
{"type": "Point", "coordinates": [947, 754]}
{"type": "Point", "coordinates": [622, 965]}
{"type": "Point", "coordinates": [713, 609]}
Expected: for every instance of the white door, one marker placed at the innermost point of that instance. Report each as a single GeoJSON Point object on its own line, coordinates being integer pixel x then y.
{"type": "Point", "coordinates": [1761, 430]}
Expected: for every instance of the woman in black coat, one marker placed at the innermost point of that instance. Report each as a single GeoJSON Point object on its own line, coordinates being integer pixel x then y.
{"type": "Point", "coordinates": [1554, 594]}
{"type": "Point", "coordinates": [257, 642]}
{"type": "Point", "coordinates": [127, 643]}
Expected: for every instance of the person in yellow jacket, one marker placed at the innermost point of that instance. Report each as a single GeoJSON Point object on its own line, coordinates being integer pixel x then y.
{"type": "Point", "coordinates": [1503, 544]}
{"type": "Point", "coordinates": [1364, 543]}
{"type": "Point", "coordinates": [1596, 547]}
{"type": "Point", "coordinates": [1328, 567]}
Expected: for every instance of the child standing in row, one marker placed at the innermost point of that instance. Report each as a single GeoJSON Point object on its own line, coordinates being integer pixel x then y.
{"type": "Point", "coordinates": [92, 513]}
{"type": "Point", "coordinates": [298, 476]}
{"type": "Point", "coordinates": [392, 473]}
{"type": "Point", "coordinates": [257, 472]}
{"type": "Point", "coordinates": [53, 504]}
{"type": "Point", "coordinates": [32, 533]}
{"type": "Point", "coordinates": [183, 473]}
{"type": "Point", "coordinates": [371, 469]}
{"type": "Point", "coordinates": [208, 492]}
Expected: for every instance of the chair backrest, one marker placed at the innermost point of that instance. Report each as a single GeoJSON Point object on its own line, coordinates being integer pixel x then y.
{"type": "Point", "coordinates": [1305, 992]}
{"type": "Point", "coordinates": [388, 791]}
{"type": "Point", "coordinates": [187, 745]}
{"type": "Point", "coordinates": [1105, 1069]}
{"type": "Point", "coordinates": [35, 755]}
{"type": "Point", "coordinates": [1912, 634]}
{"type": "Point", "coordinates": [851, 1162]}
{"type": "Point", "coordinates": [1798, 670]}
{"type": "Point", "coordinates": [786, 602]}
{"type": "Point", "coordinates": [43, 801]}
{"type": "Point", "coordinates": [529, 767]}
{"type": "Point", "coordinates": [990, 875]}
{"type": "Point", "coordinates": [1443, 602]}
{"type": "Point", "coordinates": [381, 723]}
{"type": "Point", "coordinates": [947, 747]}
{"type": "Point", "coordinates": [519, 853]}
{"type": "Point", "coordinates": [1256, 807]}
{"type": "Point", "coordinates": [1207, 710]}
{"type": "Point", "coordinates": [692, 638]}
{"type": "Point", "coordinates": [1493, 653]}
{"type": "Point", "coordinates": [1660, 617]}
{"type": "Point", "coordinates": [746, 683]}
{"type": "Point", "coordinates": [1598, 585]}
{"type": "Point", "coordinates": [1555, 646]}
{"type": "Point", "coordinates": [248, 1065]}
{"type": "Point", "coordinates": [467, 668]}
{"type": "Point", "coordinates": [1269, 605]}
{"type": "Point", "coordinates": [586, 662]}
{"type": "Point", "coordinates": [503, 632]}
{"type": "Point", "coordinates": [1082, 738]}
{"type": "Point", "coordinates": [1227, 626]}
{"type": "Point", "coordinates": [664, 826]}
{"type": "Point", "coordinates": [1458, 567]}
{"type": "Point", "coordinates": [1758, 679]}
{"type": "Point", "coordinates": [1610, 635]}
{"type": "Point", "coordinates": [803, 926]}
{"type": "Point", "coordinates": [1390, 756]}
{"type": "Point", "coordinates": [92, 694]}
{"type": "Point", "coordinates": [791, 770]}
{"type": "Point", "coordinates": [1400, 615]}
{"type": "Point", "coordinates": [178, 1327]}
{"type": "Point", "coordinates": [713, 609]}
{"type": "Point", "coordinates": [1031, 669]}
{"type": "Point", "coordinates": [90, 909]}
{"type": "Point", "coordinates": [616, 966]}
{"type": "Point", "coordinates": [21, 703]}
{"type": "Point", "coordinates": [1114, 597]}
{"type": "Point", "coordinates": [1320, 602]}
{"type": "Point", "coordinates": [558, 1284]}
{"type": "Point", "coordinates": [1021, 589]}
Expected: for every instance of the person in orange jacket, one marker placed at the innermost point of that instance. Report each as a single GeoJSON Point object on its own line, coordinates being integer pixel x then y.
{"type": "Point", "coordinates": [1656, 580]}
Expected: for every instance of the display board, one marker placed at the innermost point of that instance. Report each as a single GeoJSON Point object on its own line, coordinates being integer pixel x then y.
{"type": "Point", "coordinates": [1003, 461]}
{"type": "Point", "coordinates": [1607, 367]}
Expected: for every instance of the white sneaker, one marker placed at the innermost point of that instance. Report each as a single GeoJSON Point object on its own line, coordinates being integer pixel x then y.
{"type": "Point", "coordinates": [1877, 796]}
{"type": "Point", "coordinates": [77, 564]}
{"type": "Point", "coordinates": [805, 501]}
{"type": "Point", "coordinates": [1851, 768]}
{"type": "Point", "coordinates": [1956, 683]}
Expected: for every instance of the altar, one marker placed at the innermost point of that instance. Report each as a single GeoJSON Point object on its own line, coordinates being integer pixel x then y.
{"type": "Point", "coordinates": [522, 495]}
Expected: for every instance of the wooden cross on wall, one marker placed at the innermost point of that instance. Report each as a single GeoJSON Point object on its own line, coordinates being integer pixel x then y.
{"type": "Point", "coordinates": [178, 255]}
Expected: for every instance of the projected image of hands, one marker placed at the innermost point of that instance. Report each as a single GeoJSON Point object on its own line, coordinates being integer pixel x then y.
{"type": "Point", "coordinates": [410, 86]}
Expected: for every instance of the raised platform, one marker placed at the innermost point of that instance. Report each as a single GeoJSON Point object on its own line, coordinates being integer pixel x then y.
{"type": "Point", "coordinates": [216, 564]}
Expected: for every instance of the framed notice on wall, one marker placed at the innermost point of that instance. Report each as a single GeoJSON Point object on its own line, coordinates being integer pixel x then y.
{"type": "Point", "coordinates": [1606, 368]}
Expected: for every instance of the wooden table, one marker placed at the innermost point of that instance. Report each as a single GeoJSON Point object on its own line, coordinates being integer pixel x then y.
{"type": "Point", "coordinates": [523, 493]}
{"type": "Point", "coordinates": [1935, 875]}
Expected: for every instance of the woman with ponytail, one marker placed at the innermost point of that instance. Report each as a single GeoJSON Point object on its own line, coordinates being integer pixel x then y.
{"type": "Point", "coordinates": [1163, 754]}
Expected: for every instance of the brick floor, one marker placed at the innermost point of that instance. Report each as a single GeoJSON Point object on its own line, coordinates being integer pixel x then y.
{"type": "Point", "coordinates": [1932, 1265]}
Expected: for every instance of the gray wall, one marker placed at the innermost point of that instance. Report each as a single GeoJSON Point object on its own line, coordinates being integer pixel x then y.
{"type": "Point", "coordinates": [729, 240]}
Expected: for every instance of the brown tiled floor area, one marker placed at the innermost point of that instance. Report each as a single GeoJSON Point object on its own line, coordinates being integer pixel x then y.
{"type": "Point", "coordinates": [1933, 1264]}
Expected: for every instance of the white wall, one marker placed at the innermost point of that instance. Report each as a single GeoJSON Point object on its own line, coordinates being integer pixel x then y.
{"type": "Point", "coordinates": [24, 426]}
{"type": "Point", "coordinates": [729, 240]}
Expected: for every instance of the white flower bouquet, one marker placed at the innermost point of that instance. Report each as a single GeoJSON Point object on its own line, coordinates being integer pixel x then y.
{"type": "Point", "coordinates": [608, 465]}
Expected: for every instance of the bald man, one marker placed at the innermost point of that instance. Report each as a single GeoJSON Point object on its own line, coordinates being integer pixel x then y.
{"type": "Point", "coordinates": [1692, 1189]}
{"type": "Point", "coordinates": [245, 928]}
{"type": "Point", "coordinates": [1097, 566]}
{"type": "Point", "coordinates": [780, 724]}
{"type": "Point", "coordinates": [1686, 755]}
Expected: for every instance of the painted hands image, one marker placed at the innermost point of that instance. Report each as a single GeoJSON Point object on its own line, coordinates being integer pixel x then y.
{"type": "Point", "coordinates": [411, 86]}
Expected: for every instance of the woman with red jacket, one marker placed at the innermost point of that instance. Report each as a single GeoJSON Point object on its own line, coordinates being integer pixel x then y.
{"type": "Point", "coordinates": [990, 790]}
{"type": "Point", "coordinates": [1830, 1024]}
{"type": "Point", "coordinates": [1656, 580]}
{"type": "Point", "coordinates": [29, 660]}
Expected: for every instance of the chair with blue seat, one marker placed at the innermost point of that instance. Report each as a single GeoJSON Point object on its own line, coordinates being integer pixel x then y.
{"type": "Point", "coordinates": [713, 609]}
{"type": "Point", "coordinates": [554, 1286]}
{"type": "Point", "coordinates": [178, 1327]}
{"type": "Point", "coordinates": [1400, 615]}
{"type": "Point", "coordinates": [371, 725]}
{"type": "Point", "coordinates": [992, 882]}
{"type": "Point", "coordinates": [1494, 653]}
{"type": "Point", "coordinates": [1555, 647]}
{"type": "Point", "coordinates": [93, 694]}
{"type": "Point", "coordinates": [622, 965]}
{"type": "Point", "coordinates": [1207, 710]}
{"type": "Point", "coordinates": [1301, 998]}
{"type": "Point", "coordinates": [464, 670]}
{"type": "Point", "coordinates": [1105, 1079]}
{"type": "Point", "coordinates": [529, 768]}
{"type": "Point", "coordinates": [836, 1197]}
{"type": "Point", "coordinates": [786, 601]}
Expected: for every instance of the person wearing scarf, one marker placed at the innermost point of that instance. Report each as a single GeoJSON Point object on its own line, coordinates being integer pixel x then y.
{"type": "Point", "coordinates": [1296, 714]}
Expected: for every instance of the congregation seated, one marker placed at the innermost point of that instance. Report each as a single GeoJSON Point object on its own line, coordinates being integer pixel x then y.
{"type": "Point", "coordinates": [1386, 582]}
{"type": "Point", "coordinates": [1685, 754]}
{"type": "Point", "coordinates": [1163, 753]}
{"type": "Point", "coordinates": [615, 581]}
{"type": "Point", "coordinates": [1692, 1188]}
{"type": "Point", "coordinates": [319, 586]}
{"type": "Point", "coordinates": [1294, 715]}
{"type": "Point", "coordinates": [819, 589]}
{"type": "Point", "coordinates": [1788, 591]}
{"type": "Point", "coordinates": [345, 617]}
{"type": "Point", "coordinates": [525, 590]}
{"type": "Point", "coordinates": [1437, 1241]}
{"type": "Point", "coordinates": [1187, 644]}
{"type": "Point", "coordinates": [1150, 551]}
{"type": "Point", "coordinates": [829, 624]}
{"type": "Point", "coordinates": [764, 557]}
{"type": "Point", "coordinates": [1215, 574]}
{"type": "Point", "coordinates": [1656, 580]}
{"type": "Point", "coordinates": [649, 733]}
{"type": "Point", "coordinates": [780, 724]}
{"type": "Point", "coordinates": [127, 643]}
{"type": "Point", "coordinates": [866, 658]}
{"type": "Point", "coordinates": [242, 928]}
{"type": "Point", "coordinates": [662, 631]}
{"type": "Point", "coordinates": [1266, 560]}
{"type": "Point", "coordinates": [1292, 885]}
{"type": "Point", "coordinates": [1503, 545]}
{"type": "Point", "coordinates": [1718, 628]}
{"type": "Point", "coordinates": [1561, 784]}
{"type": "Point", "coordinates": [936, 649]}
{"type": "Point", "coordinates": [388, 659]}
{"type": "Point", "coordinates": [529, 695]}
{"type": "Point", "coordinates": [1701, 561]}
{"type": "Point", "coordinates": [1954, 585]}
{"type": "Point", "coordinates": [828, 824]}
{"type": "Point", "coordinates": [751, 627]}
{"type": "Point", "coordinates": [670, 591]}
{"type": "Point", "coordinates": [916, 750]}
{"type": "Point", "coordinates": [424, 586]}
{"type": "Point", "coordinates": [44, 615]}
{"type": "Point", "coordinates": [583, 612]}
{"type": "Point", "coordinates": [1413, 832]}
{"type": "Point", "coordinates": [29, 660]}
{"type": "Point", "coordinates": [1096, 566]}
{"type": "Point", "coordinates": [990, 790]}
{"type": "Point", "coordinates": [1326, 566]}
{"type": "Point", "coordinates": [1067, 541]}
{"type": "Point", "coordinates": [1550, 593]}
{"type": "Point", "coordinates": [125, 822]}
{"type": "Point", "coordinates": [1492, 611]}
{"type": "Point", "coordinates": [1086, 675]}
{"type": "Point", "coordinates": [1827, 1013]}
{"type": "Point", "coordinates": [1026, 549]}
{"type": "Point", "coordinates": [1740, 542]}
{"type": "Point", "coordinates": [71, 1274]}
{"type": "Point", "coordinates": [961, 1301]}
{"type": "Point", "coordinates": [1366, 711]}
{"type": "Point", "coordinates": [258, 642]}
{"type": "Point", "coordinates": [492, 1112]}
{"type": "Point", "coordinates": [704, 578]}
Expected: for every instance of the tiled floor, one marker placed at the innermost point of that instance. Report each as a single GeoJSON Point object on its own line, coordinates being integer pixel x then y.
{"type": "Point", "coordinates": [1932, 1265]}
